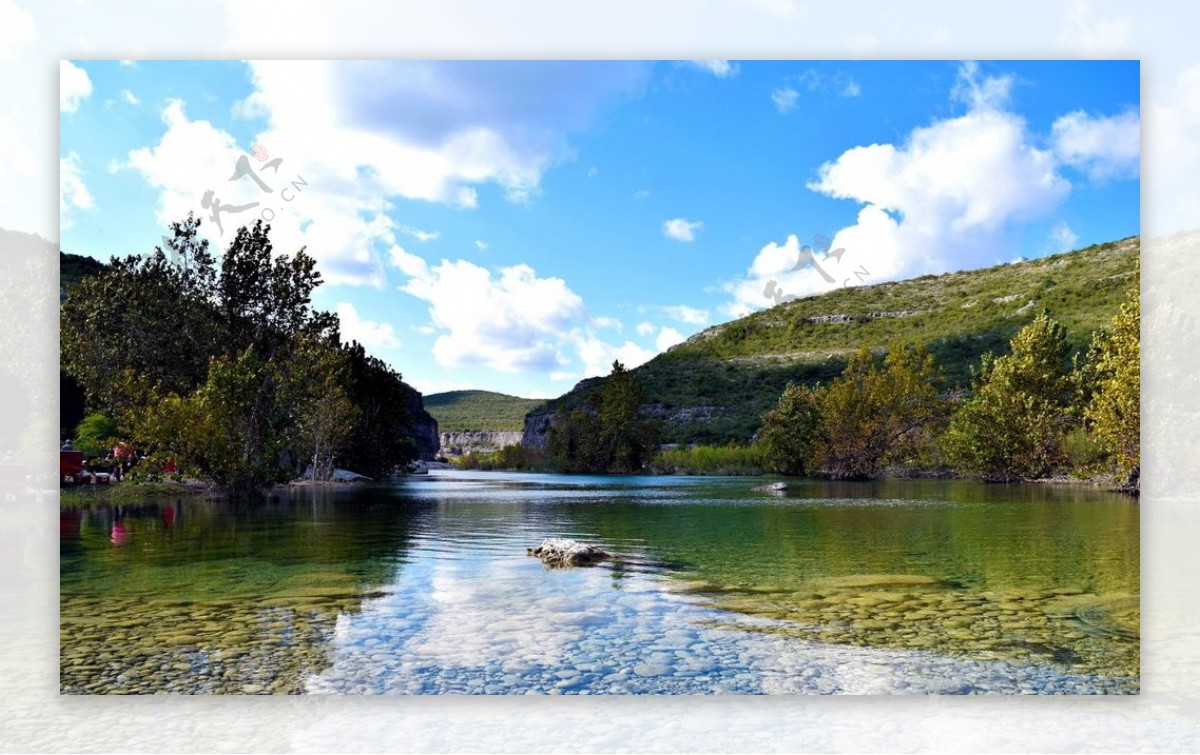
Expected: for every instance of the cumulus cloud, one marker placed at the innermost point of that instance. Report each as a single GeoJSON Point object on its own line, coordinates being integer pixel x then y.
{"type": "Point", "coordinates": [74, 86]}
{"type": "Point", "coordinates": [598, 355]}
{"type": "Point", "coordinates": [481, 245]}
{"type": "Point", "coordinates": [947, 197]}
{"type": "Point", "coordinates": [420, 235]}
{"type": "Point", "coordinates": [17, 30]}
{"type": "Point", "coordinates": [668, 337]}
{"type": "Point", "coordinates": [1173, 197]}
{"type": "Point", "coordinates": [72, 192]}
{"type": "Point", "coordinates": [370, 133]}
{"type": "Point", "coordinates": [681, 229]}
{"type": "Point", "coordinates": [785, 98]}
{"type": "Point", "coordinates": [372, 335]}
{"type": "Point", "coordinates": [130, 98]}
{"type": "Point", "coordinates": [1084, 30]}
{"type": "Point", "coordinates": [1062, 238]}
{"type": "Point", "coordinates": [686, 314]}
{"type": "Point", "coordinates": [512, 320]}
{"type": "Point", "coordinates": [1104, 147]}
{"type": "Point", "coordinates": [645, 328]}
{"type": "Point", "coordinates": [719, 68]}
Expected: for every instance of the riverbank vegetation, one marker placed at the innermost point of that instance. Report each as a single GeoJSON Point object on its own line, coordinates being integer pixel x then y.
{"type": "Point", "coordinates": [225, 370]}
{"type": "Point", "coordinates": [1040, 410]}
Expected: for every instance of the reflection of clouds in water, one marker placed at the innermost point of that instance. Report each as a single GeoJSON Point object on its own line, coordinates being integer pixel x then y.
{"type": "Point", "coordinates": [507, 625]}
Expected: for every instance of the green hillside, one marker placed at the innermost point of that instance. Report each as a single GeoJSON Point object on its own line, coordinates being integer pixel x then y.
{"type": "Point", "coordinates": [479, 410]}
{"type": "Point", "coordinates": [715, 386]}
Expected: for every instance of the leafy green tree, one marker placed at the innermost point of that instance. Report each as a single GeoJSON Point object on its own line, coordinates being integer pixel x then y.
{"type": "Point", "coordinates": [152, 317]}
{"type": "Point", "coordinates": [321, 415]}
{"type": "Point", "coordinates": [628, 438]}
{"type": "Point", "coordinates": [383, 435]}
{"type": "Point", "coordinates": [787, 432]}
{"type": "Point", "coordinates": [1114, 411]}
{"type": "Point", "coordinates": [611, 436]}
{"type": "Point", "coordinates": [874, 415]}
{"type": "Point", "coordinates": [266, 300]}
{"type": "Point", "coordinates": [97, 434]}
{"type": "Point", "coordinates": [1014, 424]}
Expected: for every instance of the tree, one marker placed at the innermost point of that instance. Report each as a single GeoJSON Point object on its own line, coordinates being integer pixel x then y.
{"type": "Point", "coordinates": [1013, 425]}
{"type": "Point", "coordinates": [96, 434]}
{"type": "Point", "coordinates": [152, 316]}
{"type": "Point", "coordinates": [610, 436]}
{"type": "Point", "coordinates": [1114, 371]}
{"type": "Point", "coordinates": [322, 417]}
{"type": "Point", "coordinates": [873, 415]}
{"type": "Point", "coordinates": [787, 433]}
{"type": "Point", "coordinates": [627, 438]}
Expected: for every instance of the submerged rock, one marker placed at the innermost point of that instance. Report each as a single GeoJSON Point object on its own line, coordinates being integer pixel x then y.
{"type": "Point", "coordinates": [558, 551]}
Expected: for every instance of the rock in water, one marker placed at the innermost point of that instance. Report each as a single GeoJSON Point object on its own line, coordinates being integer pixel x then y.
{"type": "Point", "coordinates": [558, 551]}
{"type": "Point", "coordinates": [773, 486]}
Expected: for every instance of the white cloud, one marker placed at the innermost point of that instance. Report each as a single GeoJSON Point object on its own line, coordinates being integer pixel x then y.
{"type": "Point", "coordinates": [17, 30]}
{"type": "Point", "coordinates": [481, 245]}
{"type": "Point", "coordinates": [686, 314]}
{"type": "Point", "coordinates": [129, 63]}
{"type": "Point", "coordinates": [641, 194]}
{"type": "Point", "coordinates": [1083, 30]}
{"type": "Point", "coordinates": [557, 376]}
{"type": "Point", "coordinates": [435, 130]}
{"type": "Point", "coordinates": [644, 328]}
{"type": "Point", "coordinates": [925, 204]}
{"type": "Point", "coordinates": [785, 98]}
{"type": "Point", "coordinates": [74, 86]}
{"type": "Point", "coordinates": [681, 229]}
{"type": "Point", "coordinates": [668, 337]}
{"type": "Point", "coordinates": [420, 235]}
{"type": "Point", "coordinates": [1062, 237]}
{"type": "Point", "coordinates": [72, 192]}
{"type": "Point", "coordinates": [129, 97]}
{"type": "Point", "coordinates": [598, 355]}
{"type": "Point", "coordinates": [368, 133]}
{"type": "Point", "coordinates": [512, 321]}
{"type": "Point", "coordinates": [592, 171]}
{"type": "Point", "coordinates": [607, 322]}
{"type": "Point", "coordinates": [851, 88]}
{"type": "Point", "coordinates": [1172, 201]}
{"type": "Point", "coordinates": [719, 68]}
{"type": "Point", "coordinates": [372, 335]}
{"type": "Point", "coordinates": [988, 93]}
{"type": "Point", "coordinates": [1104, 147]}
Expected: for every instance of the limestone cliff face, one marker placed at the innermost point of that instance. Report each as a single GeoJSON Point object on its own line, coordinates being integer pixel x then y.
{"type": "Point", "coordinates": [457, 443]}
{"type": "Point", "coordinates": [536, 433]}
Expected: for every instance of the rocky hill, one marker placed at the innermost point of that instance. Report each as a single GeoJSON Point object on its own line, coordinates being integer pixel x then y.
{"type": "Point", "coordinates": [715, 386]}
{"type": "Point", "coordinates": [479, 421]}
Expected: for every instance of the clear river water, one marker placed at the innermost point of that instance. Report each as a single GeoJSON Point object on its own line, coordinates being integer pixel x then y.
{"type": "Point", "coordinates": [424, 587]}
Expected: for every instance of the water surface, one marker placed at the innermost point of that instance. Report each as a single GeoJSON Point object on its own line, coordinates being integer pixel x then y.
{"type": "Point", "coordinates": [424, 587]}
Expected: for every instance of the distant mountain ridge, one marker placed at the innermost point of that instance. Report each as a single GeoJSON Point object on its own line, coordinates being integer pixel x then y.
{"type": "Point", "coordinates": [714, 387]}
{"type": "Point", "coordinates": [479, 410]}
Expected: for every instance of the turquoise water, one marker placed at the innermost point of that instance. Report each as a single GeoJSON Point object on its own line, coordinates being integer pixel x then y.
{"type": "Point", "coordinates": [424, 587]}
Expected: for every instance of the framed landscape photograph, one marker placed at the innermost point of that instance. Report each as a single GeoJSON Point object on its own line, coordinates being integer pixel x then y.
{"type": "Point", "coordinates": [600, 377]}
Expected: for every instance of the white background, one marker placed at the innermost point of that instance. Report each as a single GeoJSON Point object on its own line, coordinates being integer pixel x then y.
{"type": "Point", "coordinates": [1166, 717]}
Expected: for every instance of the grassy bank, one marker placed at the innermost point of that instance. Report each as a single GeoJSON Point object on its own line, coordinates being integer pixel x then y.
{"type": "Point", "coordinates": [732, 459]}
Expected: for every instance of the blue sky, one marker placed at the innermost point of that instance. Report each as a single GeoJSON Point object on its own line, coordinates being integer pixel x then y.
{"type": "Point", "coordinates": [517, 226]}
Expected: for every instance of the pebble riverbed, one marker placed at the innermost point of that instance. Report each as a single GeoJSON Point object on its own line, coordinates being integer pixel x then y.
{"type": "Point", "coordinates": [525, 629]}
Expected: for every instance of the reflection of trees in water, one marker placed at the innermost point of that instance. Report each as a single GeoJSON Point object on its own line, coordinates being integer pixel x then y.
{"type": "Point", "coordinates": [220, 596]}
